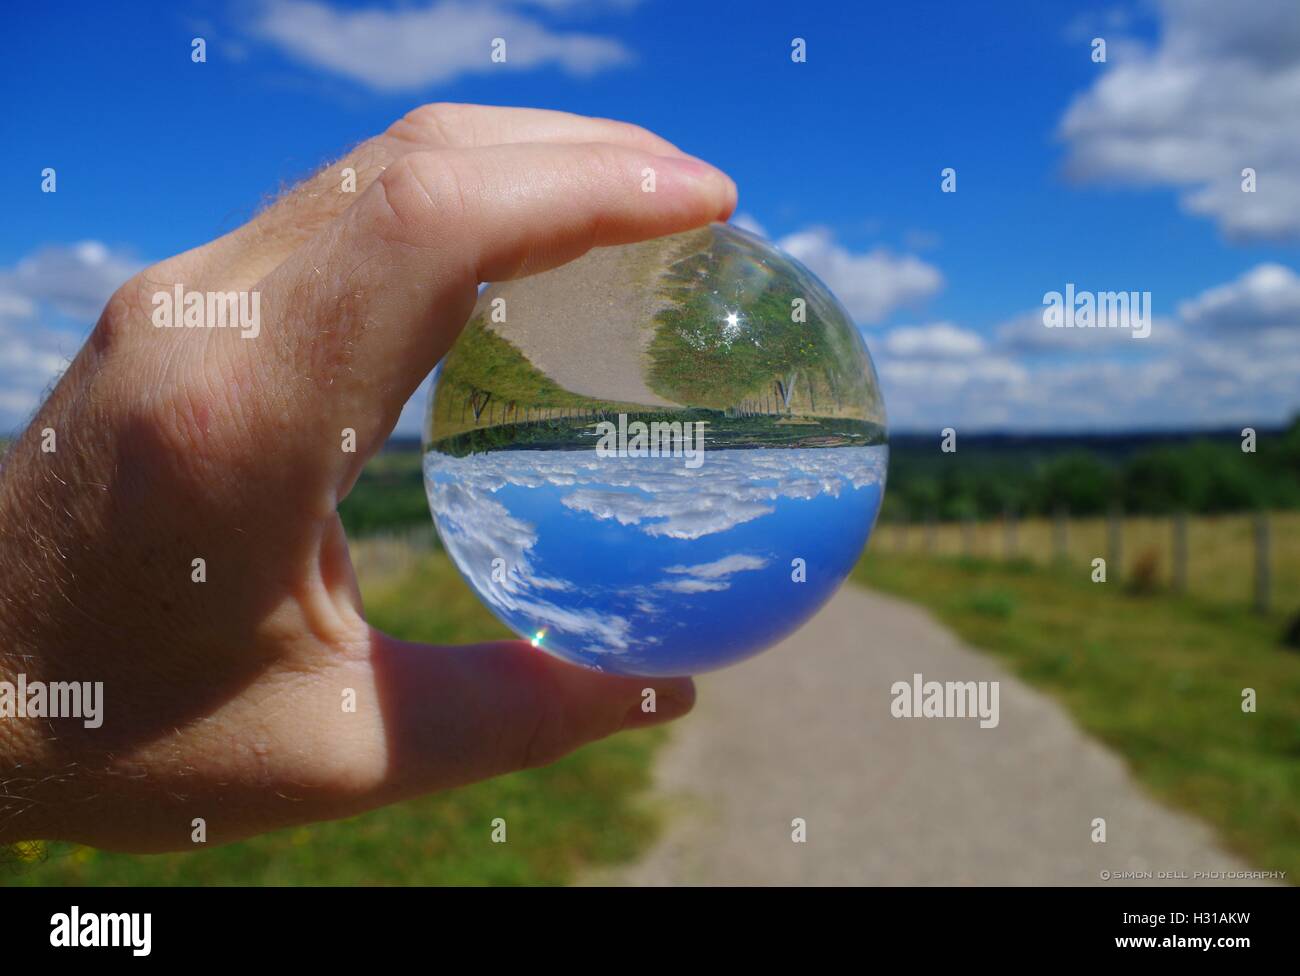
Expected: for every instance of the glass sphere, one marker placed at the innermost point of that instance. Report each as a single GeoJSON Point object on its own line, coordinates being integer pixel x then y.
{"type": "Point", "coordinates": [658, 459]}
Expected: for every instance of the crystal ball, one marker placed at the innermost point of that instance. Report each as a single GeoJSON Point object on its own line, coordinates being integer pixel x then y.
{"type": "Point", "coordinates": [658, 459]}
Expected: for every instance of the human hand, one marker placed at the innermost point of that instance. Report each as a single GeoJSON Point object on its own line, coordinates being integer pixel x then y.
{"type": "Point", "coordinates": [222, 699]}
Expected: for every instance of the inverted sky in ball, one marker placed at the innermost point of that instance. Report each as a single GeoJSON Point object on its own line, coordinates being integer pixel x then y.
{"type": "Point", "coordinates": [658, 459]}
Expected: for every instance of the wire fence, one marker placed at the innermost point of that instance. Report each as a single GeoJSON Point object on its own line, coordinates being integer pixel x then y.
{"type": "Point", "coordinates": [1235, 560]}
{"type": "Point", "coordinates": [1242, 559]}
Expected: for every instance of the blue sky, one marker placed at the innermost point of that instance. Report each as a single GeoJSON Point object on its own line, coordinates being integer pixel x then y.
{"type": "Point", "coordinates": [1116, 176]}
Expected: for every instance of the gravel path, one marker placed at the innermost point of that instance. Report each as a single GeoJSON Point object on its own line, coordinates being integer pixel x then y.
{"type": "Point", "coordinates": [805, 731]}
{"type": "Point", "coordinates": [585, 336]}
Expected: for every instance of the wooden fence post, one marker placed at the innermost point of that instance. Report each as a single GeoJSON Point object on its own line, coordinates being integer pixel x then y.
{"type": "Point", "coordinates": [1180, 552]}
{"type": "Point", "coordinates": [1262, 567]}
{"type": "Point", "coordinates": [1115, 544]}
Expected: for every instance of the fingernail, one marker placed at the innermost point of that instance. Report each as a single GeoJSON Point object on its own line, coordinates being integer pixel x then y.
{"type": "Point", "coordinates": [698, 169]}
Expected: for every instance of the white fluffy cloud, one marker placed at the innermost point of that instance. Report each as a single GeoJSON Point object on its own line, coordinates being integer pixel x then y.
{"type": "Point", "coordinates": [747, 221]}
{"type": "Point", "coordinates": [1232, 354]}
{"type": "Point", "coordinates": [871, 285]}
{"type": "Point", "coordinates": [720, 568]}
{"type": "Point", "coordinates": [710, 577]}
{"type": "Point", "coordinates": [1264, 299]}
{"type": "Point", "coordinates": [1025, 335]}
{"type": "Point", "coordinates": [412, 47]}
{"type": "Point", "coordinates": [478, 531]}
{"type": "Point", "coordinates": [29, 360]}
{"type": "Point", "coordinates": [730, 488]}
{"type": "Point", "coordinates": [75, 279]}
{"type": "Point", "coordinates": [984, 391]}
{"type": "Point", "coordinates": [48, 301]}
{"type": "Point", "coordinates": [1220, 92]}
{"type": "Point", "coordinates": [939, 340]}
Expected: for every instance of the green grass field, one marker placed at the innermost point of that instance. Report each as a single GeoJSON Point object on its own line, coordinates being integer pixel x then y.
{"type": "Point", "coordinates": [584, 810]}
{"type": "Point", "coordinates": [1220, 550]}
{"type": "Point", "coordinates": [1157, 678]}
{"type": "Point", "coordinates": [388, 497]}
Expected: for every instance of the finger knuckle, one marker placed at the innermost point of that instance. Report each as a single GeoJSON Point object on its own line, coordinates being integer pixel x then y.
{"type": "Point", "coordinates": [127, 312]}
{"type": "Point", "coordinates": [446, 120]}
{"type": "Point", "coordinates": [421, 192]}
{"type": "Point", "coordinates": [634, 134]}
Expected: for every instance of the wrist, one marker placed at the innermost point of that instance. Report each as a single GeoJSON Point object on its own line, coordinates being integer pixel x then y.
{"type": "Point", "coordinates": [25, 773]}
{"type": "Point", "coordinates": [29, 776]}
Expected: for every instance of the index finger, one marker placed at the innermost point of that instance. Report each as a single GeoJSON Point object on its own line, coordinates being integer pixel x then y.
{"type": "Point", "coordinates": [256, 248]}
{"type": "Point", "coordinates": [363, 312]}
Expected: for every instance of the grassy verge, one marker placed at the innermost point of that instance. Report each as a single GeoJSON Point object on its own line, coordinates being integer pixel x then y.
{"type": "Point", "coordinates": [582, 810]}
{"type": "Point", "coordinates": [1157, 678]}
{"type": "Point", "coordinates": [1220, 550]}
{"type": "Point", "coordinates": [487, 381]}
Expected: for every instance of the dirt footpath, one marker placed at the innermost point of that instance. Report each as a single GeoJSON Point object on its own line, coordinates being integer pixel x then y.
{"type": "Point", "coordinates": [587, 338]}
{"type": "Point", "coordinates": [805, 731]}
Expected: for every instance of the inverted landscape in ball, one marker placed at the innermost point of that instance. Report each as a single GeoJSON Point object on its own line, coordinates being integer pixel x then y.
{"type": "Point", "coordinates": [658, 459]}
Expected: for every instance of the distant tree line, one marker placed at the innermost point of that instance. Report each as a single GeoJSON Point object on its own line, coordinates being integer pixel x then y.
{"type": "Point", "coordinates": [986, 477]}
{"type": "Point", "coordinates": [389, 494]}
{"type": "Point", "coordinates": [1143, 474]}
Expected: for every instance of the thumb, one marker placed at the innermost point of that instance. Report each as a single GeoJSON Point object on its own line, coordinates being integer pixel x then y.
{"type": "Point", "coordinates": [455, 715]}
{"type": "Point", "coordinates": [362, 312]}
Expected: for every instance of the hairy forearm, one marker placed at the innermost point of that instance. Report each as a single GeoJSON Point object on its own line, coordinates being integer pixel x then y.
{"type": "Point", "coordinates": [24, 766]}
{"type": "Point", "coordinates": [43, 516]}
